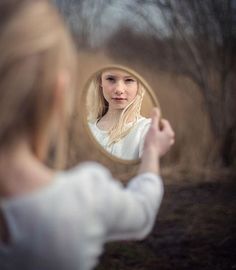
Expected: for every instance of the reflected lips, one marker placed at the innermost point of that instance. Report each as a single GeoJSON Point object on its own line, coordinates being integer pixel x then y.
{"type": "Point", "coordinates": [119, 99]}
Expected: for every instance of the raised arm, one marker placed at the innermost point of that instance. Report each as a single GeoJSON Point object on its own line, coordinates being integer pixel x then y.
{"type": "Point", "coordinates": [131, 212]}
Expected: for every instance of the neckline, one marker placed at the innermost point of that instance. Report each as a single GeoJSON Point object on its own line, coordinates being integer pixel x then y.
{"type": "Point", "coordinates": [99, 129]}
{"type": "Point", "coordinates": [107, 131]}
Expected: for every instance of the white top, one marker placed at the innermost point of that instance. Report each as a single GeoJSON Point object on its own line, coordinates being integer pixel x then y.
{"type": "Point", "coordinates": [129, 147]}
{"type": "Point", "coordinates": [65, 225]}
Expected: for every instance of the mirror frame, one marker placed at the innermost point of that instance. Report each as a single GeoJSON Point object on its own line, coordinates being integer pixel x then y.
{"type": "Point", "coordinates": [96, 144]}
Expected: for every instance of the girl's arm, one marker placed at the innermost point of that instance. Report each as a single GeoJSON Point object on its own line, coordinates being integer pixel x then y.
{"type": "Point", "coordinates": [131, 212]}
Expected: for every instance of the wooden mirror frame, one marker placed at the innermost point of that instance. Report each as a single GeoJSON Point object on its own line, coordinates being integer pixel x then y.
{"type": "Point", "coordinates": [96, 144]}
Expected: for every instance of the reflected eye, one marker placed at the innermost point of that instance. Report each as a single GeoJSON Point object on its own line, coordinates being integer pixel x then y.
{"type": "Point", "coordinates": [110, 79]}
{"type": "Point", "coordinates": [130, 80]}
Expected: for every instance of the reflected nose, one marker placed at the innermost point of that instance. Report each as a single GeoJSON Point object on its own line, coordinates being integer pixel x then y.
{"type": "Point", "coordinates": [120, 88]}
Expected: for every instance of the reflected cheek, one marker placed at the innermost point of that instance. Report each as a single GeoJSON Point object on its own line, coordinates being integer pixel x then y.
{"type": "Point", "coordinates": [133, 94]}
{"type": "Point", "coordinates": [106, 94]}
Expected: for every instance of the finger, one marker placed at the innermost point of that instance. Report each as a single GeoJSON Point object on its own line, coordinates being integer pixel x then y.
{"type": "Point", "coordinates": [172, 142]}
{"type": "Point", "coordinates": [155, 117]}
{"type": "Point", "coordinates": [167, 127]}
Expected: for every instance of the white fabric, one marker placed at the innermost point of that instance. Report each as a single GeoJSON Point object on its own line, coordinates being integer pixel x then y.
{"type": "Point", "coordinates": [129, 147]}
{"type": "Point", "coordinates": [65, 225]}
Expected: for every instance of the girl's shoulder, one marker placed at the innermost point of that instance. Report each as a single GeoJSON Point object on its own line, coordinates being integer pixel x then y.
{"type": "Point", "coordinates": [143, 122]}
{"type": "Point", "coordinates": [86, 171]}
{"type": "Point", "coordinates": [92, 123]}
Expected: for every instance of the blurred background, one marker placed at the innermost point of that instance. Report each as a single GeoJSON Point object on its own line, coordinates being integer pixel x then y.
{"type": "Point", "coordinates": [185, 50]}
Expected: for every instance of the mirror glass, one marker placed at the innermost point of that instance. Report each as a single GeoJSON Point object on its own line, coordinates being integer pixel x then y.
{"type": "Point", "coordinates": [118, 107]}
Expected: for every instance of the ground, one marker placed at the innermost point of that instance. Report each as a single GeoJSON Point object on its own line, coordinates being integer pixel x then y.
{"type": "Point", "coordinates": [195, 229]}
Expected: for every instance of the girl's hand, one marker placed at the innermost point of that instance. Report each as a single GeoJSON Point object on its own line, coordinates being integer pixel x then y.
{"type": "Point", "coordinates": [160, 136]}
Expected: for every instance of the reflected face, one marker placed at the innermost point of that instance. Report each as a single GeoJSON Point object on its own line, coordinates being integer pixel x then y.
{"type": "Point", "coordinates": [119, 88]}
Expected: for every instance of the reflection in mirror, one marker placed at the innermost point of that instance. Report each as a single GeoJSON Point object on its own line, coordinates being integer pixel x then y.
{"type": "Point", "coordinates": [118, 111]}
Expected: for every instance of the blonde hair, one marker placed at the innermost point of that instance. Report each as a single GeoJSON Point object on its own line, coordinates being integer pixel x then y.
{"type": "Point", "coordinates": [34, 48]}
{"type": "Point", "coordinates": [98, 107]}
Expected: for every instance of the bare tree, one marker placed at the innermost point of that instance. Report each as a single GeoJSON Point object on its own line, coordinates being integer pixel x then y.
{"type": "Point", "coordinates": [203, 35]}
{"type": "Point", "coordinates": [203, 42]}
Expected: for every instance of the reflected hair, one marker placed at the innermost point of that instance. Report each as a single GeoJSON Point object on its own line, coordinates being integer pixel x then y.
{"type": "Point", "coordinates": [98, 107]}
{"type": "Point", "coordinates": [35, 47]}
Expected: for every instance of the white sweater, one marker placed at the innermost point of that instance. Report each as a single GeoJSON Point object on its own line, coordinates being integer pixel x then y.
{"type": "Point", "coordinates": [128, 148]}
{"type": "Point", "coordinates": [65, 225]}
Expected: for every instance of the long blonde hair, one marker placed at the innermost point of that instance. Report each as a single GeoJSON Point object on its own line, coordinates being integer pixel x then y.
{"type": "Point", "coordinates": [34, 48]}
{"type": "Point", "coordinates": [98, 107]}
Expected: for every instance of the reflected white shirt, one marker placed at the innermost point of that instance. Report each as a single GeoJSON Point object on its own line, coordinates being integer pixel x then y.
{"type": "Point", "coordinates": [129, 147]}
{"type": "Point", "coordinates": [65, 225]}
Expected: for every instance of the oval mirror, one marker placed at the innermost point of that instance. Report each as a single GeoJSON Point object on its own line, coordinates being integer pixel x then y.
{"type": "Point", "coordinates": [118, 107]}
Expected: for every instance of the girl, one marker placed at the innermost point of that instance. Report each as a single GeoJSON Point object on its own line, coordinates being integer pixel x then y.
{"type": "Point", "coordinates": [114, 113]}
{"type": "Point", "coordinates": [58, 219]}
